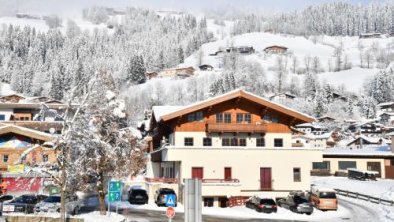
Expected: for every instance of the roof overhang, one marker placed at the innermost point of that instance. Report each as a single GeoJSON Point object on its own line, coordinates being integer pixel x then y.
{"type": "Point", "coordinates": [5, 129]}
{"type": "Point", "coordinates": [238, 94]}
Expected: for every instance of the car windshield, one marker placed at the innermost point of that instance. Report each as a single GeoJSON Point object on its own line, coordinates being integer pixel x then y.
{"type": "Point", "coordinates": [24, 199]}
{"type": "Point", "coordinates": [328, 195]}
{"type": "Point", "coordinates": [300, 200]}
{"type": "Point", "coordinates": [167, 192]}
{"type": "Point", "coordinates": [53, 199]}
{"type": "Point", "coordinates": [138, 192]}
{"type": "Point", "coordinates": [267, 201]}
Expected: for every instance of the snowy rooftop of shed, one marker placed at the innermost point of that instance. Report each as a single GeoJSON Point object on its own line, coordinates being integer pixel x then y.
{"type": "Point", "coordinates": [365, 151]}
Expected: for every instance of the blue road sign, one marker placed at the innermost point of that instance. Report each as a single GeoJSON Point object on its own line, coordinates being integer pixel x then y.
{"type": "Point", "coordinates": [170, 200]}
{"type": "Point", "coordinates": [114, 191]}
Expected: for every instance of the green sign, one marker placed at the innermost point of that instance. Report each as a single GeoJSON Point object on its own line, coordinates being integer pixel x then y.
{"type": "Point", "coordinates": [114, 191]}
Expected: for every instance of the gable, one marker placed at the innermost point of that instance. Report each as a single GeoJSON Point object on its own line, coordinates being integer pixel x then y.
{"type": "Point", "coordinates": [235, 97]}
{"type": "Point", "coordinates": [12, 140]}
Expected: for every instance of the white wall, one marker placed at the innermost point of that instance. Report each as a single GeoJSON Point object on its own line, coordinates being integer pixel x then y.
{"type": "Point", "coordinates": [7, 113]}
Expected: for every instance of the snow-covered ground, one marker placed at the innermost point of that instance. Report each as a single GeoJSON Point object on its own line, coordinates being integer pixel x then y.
{"type": "Point", "coordinates": [88, 217]}
{"type": "Point", "coordinates": [383, 188]}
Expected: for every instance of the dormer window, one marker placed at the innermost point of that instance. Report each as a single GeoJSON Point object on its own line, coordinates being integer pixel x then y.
{"type": "Point", "coordinates": [197, 116]}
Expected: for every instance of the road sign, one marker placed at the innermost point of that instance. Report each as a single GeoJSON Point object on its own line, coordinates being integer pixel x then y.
{"type": "Point", "coordinates": [170, 200]}
{"type": "Point", "coordinates": [170, 212]}
{"type": "Point", "coordinates": [114, 191]}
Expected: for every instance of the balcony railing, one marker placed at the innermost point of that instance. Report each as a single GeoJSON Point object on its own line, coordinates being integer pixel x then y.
{"type": "Point", "coordinates": [220, 180]}
{"type": "Point", "coordinates": [161, 180]}
{"type": "Point", "coordinates": [235, 127]}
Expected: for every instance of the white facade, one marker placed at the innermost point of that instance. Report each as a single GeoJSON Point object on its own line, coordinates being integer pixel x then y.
{"type": "Point", "coordinates": [7, 113]}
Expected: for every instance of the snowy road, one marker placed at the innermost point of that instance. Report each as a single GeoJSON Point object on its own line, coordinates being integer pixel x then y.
{"type": "Point", "coordinates": [358, 212]}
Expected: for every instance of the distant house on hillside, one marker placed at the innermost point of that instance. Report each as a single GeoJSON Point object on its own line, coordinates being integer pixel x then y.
{"type": "Point", "coordinates": [13, 98]}
{"type": "Point", "coordinates": [282, 96]}
{"type": "Point", "coordinates": [276, 49]}
{"type": "Point", "coordinates": [387, 107]}
{"type": "Point", "coordinates": [326, 119]}
{"type": "Point", "coordinates": [363, 140]}
{"type": "Point", "coordinates": [370, 35]}
{"type": "Point", "coordinates": [206, 67]}
{"type": "Point", "coordinates": [337, 96]}
{"type": "Point", "coordinates": [216, 53]}
{"type": "Point", "coordinates": [387, 118]}
{"type": "Point", "coordinates": [241, 49]}
{"type": "Point", "coordinates": [177, 72]}
{"type": "Point", "coordinates": [151, 75]}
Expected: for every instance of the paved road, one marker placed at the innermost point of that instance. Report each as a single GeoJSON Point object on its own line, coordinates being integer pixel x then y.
{"type": "Point", "coordinates": [135, 215]}
{"type": "Point", "coordinates": [359, 213]}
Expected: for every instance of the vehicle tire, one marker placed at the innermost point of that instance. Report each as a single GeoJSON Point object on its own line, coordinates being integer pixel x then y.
{"type": "Point", "coordinates": [308, 213]}
{"type": "Point", "coordinates": [75, 211]}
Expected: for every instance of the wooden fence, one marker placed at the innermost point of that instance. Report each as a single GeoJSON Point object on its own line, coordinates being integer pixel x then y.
{"type": "Point", "coordinates": [237, 201]}
{"type": "Point", "coordinates": [365, 197]}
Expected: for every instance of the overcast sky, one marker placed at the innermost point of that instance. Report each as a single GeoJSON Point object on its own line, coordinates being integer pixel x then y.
{"type": "Point", "coordinates": [72, 7]}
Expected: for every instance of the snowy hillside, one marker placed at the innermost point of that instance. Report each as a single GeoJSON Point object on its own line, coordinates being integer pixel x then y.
{"type": "Point", "coordinates": [300, 49]}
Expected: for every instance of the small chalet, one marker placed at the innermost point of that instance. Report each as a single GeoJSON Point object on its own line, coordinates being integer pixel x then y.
{"type": "Point", "coordinates": [151, 75]}
{"type": "Point", "coordinates": [370, 35]}
{"type": "Point", "coordinates": [237, 144]}
{"type": "Point", "coordinates": [311, 128]}
{"type": "Point", "coordinates": [177, 72]}
{"type": "Point", "coordinates": [276, 49]}
{"type": "Point", "coordinates": [386, 107]}
{"type": "Point", "coordinates": [387, 118]}
{"type": "Point", "coordinates": [362, 140]}
{"type": "Point", "coordinates": [282, 96]}
{"type": "Point", "coordinates": [326, 119]}
{"type": "Point", "coordinates": [322, 141]}
{"type": "Point", "coordinates": [13, 98]}
{"type": "Point", "coordinates": [206, 67]}
{"type": "Point", "coordinates": [337, 96]}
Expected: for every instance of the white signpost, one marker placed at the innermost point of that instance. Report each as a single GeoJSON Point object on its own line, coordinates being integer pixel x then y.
{"type": "Point", "coordinates": [193, 200]}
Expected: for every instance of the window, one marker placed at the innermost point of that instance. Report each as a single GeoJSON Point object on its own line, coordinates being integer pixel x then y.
{"type": "Point", "coordinates": [325, 165]}
{"type": "Point", "coordinates": [278, 142]}
{"type": "Point", "coordinates": [5, 158]}
{"type": "Point", "coordinates": [45, 158]}
{"type": "Point", "coordinates": [189, 141]}
{"type": "Point", "coordinates": [271, 118]}
{"type": "Point", "coordinates": [242, 142]}
{"type": "Point", "coordinates": [244, 118]}
{"type": "Point", "coordinates": [208, 201]}
{"type": "Point", "coordinates": [219, 117]}
{"type": "Point", "coordinates": [227, 117]}
{"type": "Point", "coordinates": [260, 142]}
{"type": "Point", "coordinates": [2, 117]}
{"type": "Point", "coordinates": [234, 142]}
{"type": "Point", "coordinates": [225, 141]}
{"type": "Point", "coordinates": [23, 158]}
{"type": "Point", "coordinates": [344, 165]}
{"type": "Point", "coordinates": [207, 141]}
{"type": "Point", "coordinates": [197, 116]}
{"type": "Point", "coordinates": [296, 174]}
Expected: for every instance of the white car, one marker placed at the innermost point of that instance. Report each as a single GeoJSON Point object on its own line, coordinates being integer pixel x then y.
{"type": "Point", "coordinates": [52, 204]}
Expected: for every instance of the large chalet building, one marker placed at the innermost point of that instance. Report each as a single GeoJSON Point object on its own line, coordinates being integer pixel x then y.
{"type": "Point", "coordinates": [238, 144]}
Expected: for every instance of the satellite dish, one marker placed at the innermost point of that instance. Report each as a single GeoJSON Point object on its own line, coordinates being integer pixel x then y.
{"type": "Point", "coordinates": [52, 130]}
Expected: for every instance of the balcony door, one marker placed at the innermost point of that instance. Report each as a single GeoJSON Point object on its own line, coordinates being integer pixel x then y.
{"type": "Point", "coordinates": [265, 178]}
{"type": "Point", "coordinates": [227, 173]}
{"type": "Point", "coordinates": [197, 173]}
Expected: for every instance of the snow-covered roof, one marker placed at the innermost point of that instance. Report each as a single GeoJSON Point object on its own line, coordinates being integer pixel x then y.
{"type": "Point", "coordinates": [309, 125]}
{"type": "Point", "coordinates": [323, 136]}
{"type": "Point", "coordinates": [160, 111]}
{"type": "Point", "coordinates": [390, 134]}
{"type": "Point", "coordinates": [386, 104]}
{"type": "Point", "coordinates": [387, 113]}
{"type": "Point", "coordinates": [7, 128]}
{"type": "Point", "coordinates": [365, 151]}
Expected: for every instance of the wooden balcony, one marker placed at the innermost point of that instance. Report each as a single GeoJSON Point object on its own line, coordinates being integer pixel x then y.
{"type": "Point", "coordinates": [161, 180]}
{"type": "Point", "coordinates": [236, 128]}
{"type": "Point", "coordinates": [220, 181]}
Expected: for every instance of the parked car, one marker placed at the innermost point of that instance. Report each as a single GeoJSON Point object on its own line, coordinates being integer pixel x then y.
{"type": "Point", "coordinates": [50, 204]}
{"type": "Point", "coordinates": [23, 204]}
{"type": "Point", "coordinates": [85, 204]}
{"type": "Point", "coordinates": [262, 204]}
{"type": "Point", "coordinates": [5, 199]}
{"type": "Point", "coordinates": [324, 198]}
{"type": "Point", "coordinates": [138, 196]}
{"type": "Point", "coordinates": [296, 203]}
{"type": "Point", "coordinates": [161, 196]}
